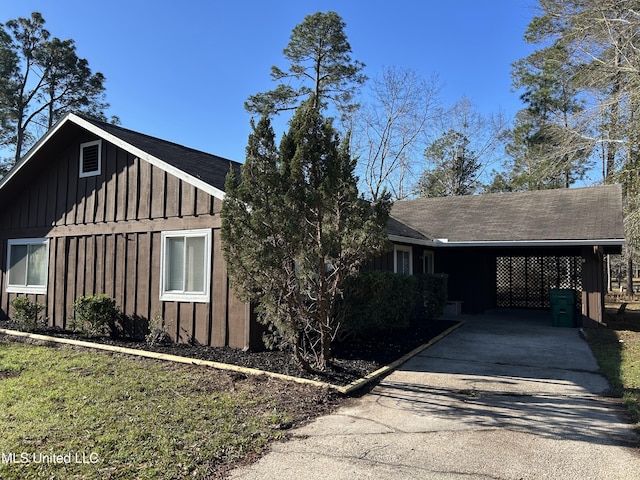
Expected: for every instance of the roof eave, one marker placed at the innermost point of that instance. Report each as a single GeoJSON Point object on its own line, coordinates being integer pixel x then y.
{"type": "Point", "coordinates": [605, 242]}
{"type": "Point", "coordinates": [438, 243]}
{"type": "Point", "coordinates": [411, 240]}
{"type": "Point", "coordinates": [70, 117]}
{"type": "Point", "coordinates": [196, 182]}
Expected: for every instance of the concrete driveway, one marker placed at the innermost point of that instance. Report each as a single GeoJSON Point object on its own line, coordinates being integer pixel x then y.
{"type": "Point", "coordinates": [506, 396]}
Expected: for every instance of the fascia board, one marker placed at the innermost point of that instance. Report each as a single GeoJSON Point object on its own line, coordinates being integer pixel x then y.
{"type": "Point", "coordinates": [606, 242]}
{"type": "Point", "coordinates": [196, 182]}
{"type": "Point", "coordinates": [532, 243]}
{"type": "Point", "coordinates": [411, 240]}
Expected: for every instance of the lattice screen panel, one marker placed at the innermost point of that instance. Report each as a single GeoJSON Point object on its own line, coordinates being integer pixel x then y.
{"type": "Point", "coordinates": [524, 282]}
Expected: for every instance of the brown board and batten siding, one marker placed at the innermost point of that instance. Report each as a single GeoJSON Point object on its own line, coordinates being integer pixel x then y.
{"type": "Point", "coordinates": [105, 237]}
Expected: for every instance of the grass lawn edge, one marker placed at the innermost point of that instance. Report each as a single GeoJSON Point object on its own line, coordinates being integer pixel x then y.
{"type": "Point", "coordinates": [345, 390]}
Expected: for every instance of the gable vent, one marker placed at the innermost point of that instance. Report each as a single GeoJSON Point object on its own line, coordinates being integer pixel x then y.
{"type": "Point", "coordinates": [90, 158]}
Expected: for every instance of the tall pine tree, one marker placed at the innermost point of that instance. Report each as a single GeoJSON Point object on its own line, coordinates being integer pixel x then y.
{"type": "Point", "coordinates": [545, 150]}
{"type": "Point", "coordinates": [600, 42]}
{"type": "Point", "coordinates": [41, 78]}
{"type": "Point", "coordinates": [321, 68]}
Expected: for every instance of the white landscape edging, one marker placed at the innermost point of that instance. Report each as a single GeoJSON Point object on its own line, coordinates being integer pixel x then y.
{"type": "Point", "coordinates": [230, 367]}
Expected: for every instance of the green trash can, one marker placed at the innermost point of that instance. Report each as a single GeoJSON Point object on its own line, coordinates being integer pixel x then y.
{"type": "Point", "coordinates": [563, 307]}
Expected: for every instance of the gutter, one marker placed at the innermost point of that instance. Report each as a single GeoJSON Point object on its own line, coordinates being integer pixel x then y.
{"type": "Point", "coordinates": [444, 242]}
{"type": "Point", "coordinates": [605, 242]}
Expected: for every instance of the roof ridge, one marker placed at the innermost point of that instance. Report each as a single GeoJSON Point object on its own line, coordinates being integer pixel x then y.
{"type": "Point", "coordinates": [545, 191]}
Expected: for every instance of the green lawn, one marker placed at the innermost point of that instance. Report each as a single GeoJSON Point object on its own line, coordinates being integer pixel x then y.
{"type": "Point", "coordinates": [617, 349]}
{"type": "Point", "coordinates": [70, 413]}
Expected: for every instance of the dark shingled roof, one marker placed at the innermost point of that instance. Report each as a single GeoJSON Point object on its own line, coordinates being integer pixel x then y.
{"type": "Point", "coordinates": [209, 168]}
{"type": "Point", "coordinates": [577, 214]}
{"type": "Point", "coordinates": [394, 227]}
{"type": "Point", "coordinates": [590, 213]}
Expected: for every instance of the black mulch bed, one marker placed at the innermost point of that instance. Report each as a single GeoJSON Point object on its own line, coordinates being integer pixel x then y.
{"type": "Point", "coordinates": [353, 359]}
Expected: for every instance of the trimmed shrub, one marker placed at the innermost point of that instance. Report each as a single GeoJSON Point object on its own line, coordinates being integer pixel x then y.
{"type": "Point", "coordinates": [27, 314]}
{"type": "Point", "coordinates": [376, 302]}
{"type": "Point", "coordinates": [95, 315]}
{"type": "Point", "coordinates": [432, 291]}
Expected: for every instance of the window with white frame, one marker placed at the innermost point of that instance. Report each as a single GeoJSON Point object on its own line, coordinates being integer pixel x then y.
{"type": "Point", "coordinates": [427, 260]}
{"type": "Point", "coordinates": [91, 158]}
{"type": "Point", "coordinates": [28, 265]}
{"type": "Point", "coordinates": [185, 265]}
{"type": "Point", "coordinates": [402, 259]}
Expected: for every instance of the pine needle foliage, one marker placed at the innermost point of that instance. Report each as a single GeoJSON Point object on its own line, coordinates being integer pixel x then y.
{"type": "Point", "coordinates": [320, 68]}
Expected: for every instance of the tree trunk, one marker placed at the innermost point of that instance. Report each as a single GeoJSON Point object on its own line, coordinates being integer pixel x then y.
{"type": "Point", "coordinates": [18, 147]}
{"type": "Point", "coordinates": [325, 344]}
{"type": "Point", "coordinates": [20, 130]}
{"type": "Point", "coordinates": [298, 356]}
{"type": "Point", "coordinates": [613, 119]}
{"type": "Point", "coordinates": [324, 321]}
{"type": "Point", "coordinates": [629, 275]}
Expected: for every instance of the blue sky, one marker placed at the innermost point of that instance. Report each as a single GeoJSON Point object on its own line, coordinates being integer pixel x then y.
{"type": "Point", "coordinates": [181, 70]}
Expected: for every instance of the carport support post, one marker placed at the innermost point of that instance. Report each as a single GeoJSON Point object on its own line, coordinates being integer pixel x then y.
{"type": "Point", "coordinates": [592, 286]}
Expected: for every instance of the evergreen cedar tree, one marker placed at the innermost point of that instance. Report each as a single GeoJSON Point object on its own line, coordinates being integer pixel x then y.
{"type": "Point", "coordinates": [294, 229]}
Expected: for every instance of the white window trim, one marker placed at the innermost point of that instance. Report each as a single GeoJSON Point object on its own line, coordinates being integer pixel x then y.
{"type": "Point", "coordinates": [92, 173]}
{"type": "Point", "coordinates": [402, 248]}
{"type": "Point", "coordinates": [33, 289]}
{"type": "Point", "coordinates": [175, 296]}
{"type": "Point", "coordinates": [428, 254]}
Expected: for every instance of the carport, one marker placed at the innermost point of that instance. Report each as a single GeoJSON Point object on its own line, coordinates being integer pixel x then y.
{"type": "Point", "coordinates": [508, 250]}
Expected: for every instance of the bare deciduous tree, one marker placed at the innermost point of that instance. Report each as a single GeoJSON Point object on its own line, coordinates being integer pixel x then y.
{"type": "Point", "coordinates": [388, 132]}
